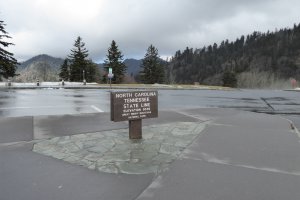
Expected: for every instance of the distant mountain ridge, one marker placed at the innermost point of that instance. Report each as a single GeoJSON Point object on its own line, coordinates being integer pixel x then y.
{"type": "Point", "coordinates": [133, 66]}
{"type": "Point", "coordinates": [46, 68]}
{"type": "Point", "coordinates": [52, 61]}
{"type": "Point", "coordinates": [42, 67]}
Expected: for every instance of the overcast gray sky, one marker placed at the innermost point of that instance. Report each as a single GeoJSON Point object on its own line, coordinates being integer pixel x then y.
{"type": "Point", "coordinates": [51, 26]}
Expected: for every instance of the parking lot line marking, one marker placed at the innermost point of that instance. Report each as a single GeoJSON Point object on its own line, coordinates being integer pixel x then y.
{"type": "Point", "coordinates": [46, 107]}
{"type": "Point", "coordinates": [10, 108]}
{"type": "Point", "coordinates": [35, 107]}
{"type": "Point", "coordinates": [96, 108]}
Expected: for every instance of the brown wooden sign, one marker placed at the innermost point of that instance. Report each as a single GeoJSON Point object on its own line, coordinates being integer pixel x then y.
{"type": "Point", "coordinates": [133, 105]}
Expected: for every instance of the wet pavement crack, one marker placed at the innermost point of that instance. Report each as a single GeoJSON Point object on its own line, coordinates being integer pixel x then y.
{"type": "Point", "coordinates": [267, 103]}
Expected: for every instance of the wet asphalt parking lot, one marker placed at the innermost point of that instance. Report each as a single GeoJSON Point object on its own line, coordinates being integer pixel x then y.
{"type": "Point", "coordinates": [42, 113]}
{"type": "Point", "coordinates": [37, 102]}
{"type": "Point", "coordinates": [233, 168]}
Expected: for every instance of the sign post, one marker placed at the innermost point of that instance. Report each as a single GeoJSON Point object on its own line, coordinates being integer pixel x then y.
{"type": "Point", "coordinates": [135, 129]}
{"type": "Point", "coordinates": [134, 106]}
{"type": "Point", "coordinates": [110, 75]}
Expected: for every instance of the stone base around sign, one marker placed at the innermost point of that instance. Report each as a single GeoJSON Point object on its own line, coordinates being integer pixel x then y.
{"type": "Point", "coordinates": [113, 152]}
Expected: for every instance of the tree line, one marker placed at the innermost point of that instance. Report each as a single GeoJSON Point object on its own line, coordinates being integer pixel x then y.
{"type": "Point", "coordinates": [277, 53]}
{"type": "Point", "coordinates": [271, 55]}
{"type": "Point", "coordinates": [77, 66]}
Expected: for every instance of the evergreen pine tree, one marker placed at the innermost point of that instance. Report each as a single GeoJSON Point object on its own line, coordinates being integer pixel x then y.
{"type": "Point", "coordinates": [114, 60]}
{"type": "Point", "coordinates": [153, 71]}
{"type": "Point", "coordinates": [8, 63]}
{"type": "Point", "coordinates": [78, 60]}
{"type": "Point", "coordinates": [92, 72]}
{"type": "Point", "coordinates": [229, 79]}
{"type": "Point", "coordinates": [65, 71]}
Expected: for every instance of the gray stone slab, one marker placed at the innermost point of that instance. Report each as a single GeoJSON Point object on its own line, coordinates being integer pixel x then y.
{"type": "Point", "coordinates": [16, 129]}
{"type": "Point", "coordinates": [201, 180]}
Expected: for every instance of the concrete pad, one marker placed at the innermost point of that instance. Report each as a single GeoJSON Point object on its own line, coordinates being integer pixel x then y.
{"type": "Point", "coordinates": [253, 121]}
{"type": "Point", "coordinates": [27, 175]}
{"type": "Point", "coordinates": [211, 113]}
{"type": "Point", "coordinates": [240, 155]}
{"type": "Point", "coordinates": [254, 147]}
{"type": "Point", "coordinates": [200, 180]}
{"type": "Point", "coordinates": [16, 129]}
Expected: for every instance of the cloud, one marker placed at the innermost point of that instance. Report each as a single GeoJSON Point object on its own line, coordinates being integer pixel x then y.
{"type": "Point", "coordinates": [51, 26]}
